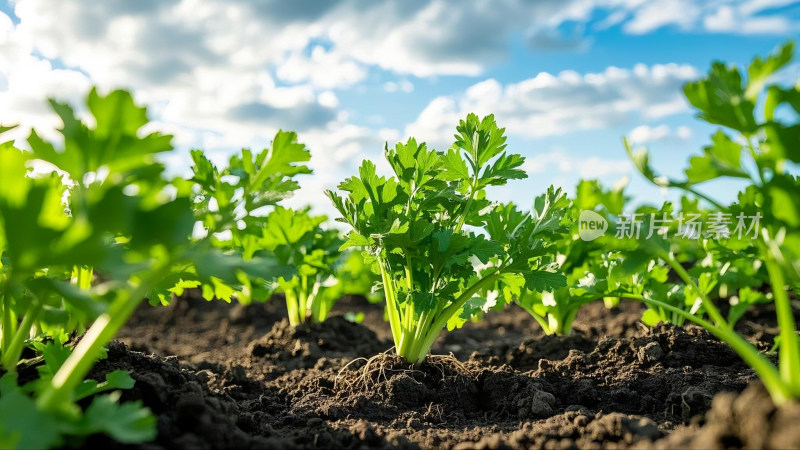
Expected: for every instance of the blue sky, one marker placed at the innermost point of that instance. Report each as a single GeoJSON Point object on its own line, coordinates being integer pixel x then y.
{"type": "Point", "coordinates": [567, 78]}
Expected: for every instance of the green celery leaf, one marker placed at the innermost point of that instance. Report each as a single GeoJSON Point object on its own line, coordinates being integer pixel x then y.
{"type": "Point", "coordinates": [720, 97]}
{"type": "Point", "coordinates": [455, 168]}
{"type": "Point", "coordinates": [722, 158]}
{"type": "Point", "coordinates": [543, 280]}
{"type": "Point", "coordinates": [504, 168]}
{"type": "Point", "coordinates": [21, 424]}
{"type": "Point", "coordinates": [127, 422]}
{"type": "Point", "coordinates": [761, 69]}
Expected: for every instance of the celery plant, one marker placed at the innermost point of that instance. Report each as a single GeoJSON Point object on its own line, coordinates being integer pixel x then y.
{"type": "Point", "coordinates": [435, 238]}
{"type": "Point", "coordinates": [765, 144]}
{"type": "Point", "coordinates": [111, 214]}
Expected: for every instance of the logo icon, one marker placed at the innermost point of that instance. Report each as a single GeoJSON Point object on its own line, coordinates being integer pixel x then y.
{"type": "Point", "coordinates": [591, 225]}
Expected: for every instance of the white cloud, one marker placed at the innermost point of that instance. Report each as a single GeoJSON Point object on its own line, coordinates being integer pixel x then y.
{"type": "Point", "coordinates": [332, 43]}
{"type": "Point", "coordinates": [644, 134]}
{"type": "Point", "coordinates": [611, 20]}
{"type": "Point", "coordinates": [26, 81]}
{"type": "Point", "coordinates": [560, 162]}
{"type": "Point", "coordinates": [722, 16]}
{"type": "Point", "coordinates": [683, 132]}
{"type": "Point", "coordinates": [400, 86]}
{"type": "Point", "coordinates": [324, 69]}
{"type": "Point", "coordinates": [658, 13]}
{"type": "Point", "coordinates": [756, 6]}
{"type": "Point", "coordinates": [730, 19]}
{"type": "Point", "coordinates": [328, 99]}
{"type": "Point", "coordinates": [548, 105]}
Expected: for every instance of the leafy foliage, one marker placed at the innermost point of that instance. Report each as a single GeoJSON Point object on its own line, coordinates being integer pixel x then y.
{"type": "Point", "coordinates": [733, 263]}
{"type": "Point", "coordinates": [297, 239]}
{"type": "Point", "coordinates": [237, 208]}
{"type": "Point", "coordinates": [412, 227]}
{"type": "Point", "coordinates": [584, 264]}
{"type": "Point", "coordinates": [84, 245]}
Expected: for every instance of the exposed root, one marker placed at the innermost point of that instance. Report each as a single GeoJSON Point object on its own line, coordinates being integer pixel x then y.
{"type": "Point", "coordinates": [442, 362]}
{"type": "Point", "coordinates": [383, 366]}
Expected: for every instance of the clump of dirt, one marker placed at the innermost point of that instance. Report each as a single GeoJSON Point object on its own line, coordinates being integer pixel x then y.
{"type": "Point", "coordinates": [576, 428]}
{"type": "Point", "coordinates": [198, 330]}
{"type": "Point", "coordinates": [746, 420]}
{"type": "Point", "coordinates": [189, 414]}
{"type": "Point", "coordinates": [440, 391]}
{"type": "Point", "coordinates": [511, 394]}
{"type": "Point", "coordinates": [305, 345]}
{"type": "Point", "coordinates": [669, 373]}
{"type": "Point", "coordinates": [528, 353]}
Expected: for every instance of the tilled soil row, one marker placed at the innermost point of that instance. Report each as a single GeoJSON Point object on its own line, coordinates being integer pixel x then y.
{"type": "Point", "coordinates": [232, 376]}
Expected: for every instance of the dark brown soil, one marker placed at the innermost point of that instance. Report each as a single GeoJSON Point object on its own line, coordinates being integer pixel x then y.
{"type": "Point", "coordinates": [230, 376]}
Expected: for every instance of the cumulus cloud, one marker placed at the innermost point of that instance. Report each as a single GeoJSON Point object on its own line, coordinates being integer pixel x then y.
{"type": "Point", "coordinates": [554, 41]}
{"type": "Point", "coordinates": [645, 134]}
{"type": "Point", "coordinates": [324, 69]}
{"type": "Point", "coordinates": [726, 16]}
{"type": "Point", "coordinates": [560, 162]}
{"type": "Point", "coordinates": [548, 104]}
{"type": "Point", "coordinates": [332, 43]}
{"type": "Point", "coordinates": [26, 81]}
{"type": "Point", "coordinates": [221, 66]}
{"type": "Point", "coordinates": [730, 19]}
{"type": "Point", "coordinates": [658, 13]}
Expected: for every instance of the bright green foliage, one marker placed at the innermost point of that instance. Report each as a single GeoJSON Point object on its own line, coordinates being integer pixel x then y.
{"type": "Point", "coordinates": [232, 199]}
{"type": "Point", "coordinates": [127, 422]}
{"type": "Point", "coordinates": [236, 206]}
{"type": "Point", "coordinates": [583, 262]}
{"type": "Point", "coordinates": [83, 246]}
{"type": "Point", "coordinates": [231, 205]}
{"type": "Point", "coordinates": [725, 97]}
{"type": "Point", "coordinates": [296, 239]}
{"type": "Point", "coordinates": [412, 226]}
{"type": "Point", "coordinates": [355, 277]}
{"type": "Point", "coordinates": [45, 242]}
{"type": "Point", "coordinates": [23, 425]}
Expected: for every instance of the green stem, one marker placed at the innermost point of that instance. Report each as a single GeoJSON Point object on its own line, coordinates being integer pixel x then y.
{"type": "Point", "coordinates": [90, 347]}
{"type": "Point", "coordinates": [468, 205]}
{"type": "Point", "coordinates": [8, 319]}
{"type": "Point", "coordinates": [565, 325]}
{"type": "Point", "coordinates": [420, 348]}
{"type": "Point", "coordinates": [705, 197]}
{"type": "Point", "coordinates": [611, 302]}
{"type": "Point", "coordinates": [789, 352]}
{"type": "Point", "coordinates": [83, 277]}
{"type": "Point", "coordinates": [753, 154]}
{"type": "Point", "coordinates": [409, 313]}
{"type": "Point", "coordinates": [712, 310]}
{"type": "Point", "coordinates": [12, 354]}
{"type": "Point", "coordinates": [319, 309]}
{"type": "Point", "coordinates": [406, 342]}
{"type": "Point", "coordinates": [779, 390]}
{"type": "Point", "coordinates": [541, 320]}
{"type": "Point", "coordinates": [292, 307]}
{"type": "Point", "coordinates": [303, 299]}
{"type": "Point", "coordinates": [473, 185]}
{"type": "Point", "coordinates": [391, 304]}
